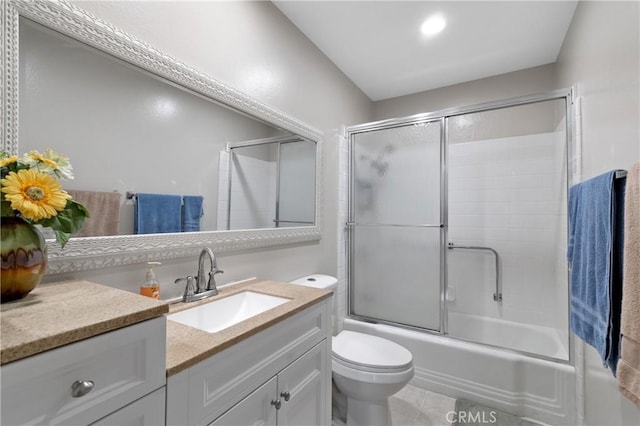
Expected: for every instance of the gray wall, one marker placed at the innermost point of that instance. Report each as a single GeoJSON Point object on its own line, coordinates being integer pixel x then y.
{"type": "Point", "coordinates": [601, 54]}
{"type": "Point", "coordinates": [254, 48]}
{"type": "Point", "coordinates": [503, 86]}
{"type": "Point", "coordinates": [535, 118]}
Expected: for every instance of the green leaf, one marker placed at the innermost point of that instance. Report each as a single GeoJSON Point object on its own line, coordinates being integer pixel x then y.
{"type": "Point", "coordinates": [76, 214]}
{"type": "Point", "coordinates": [6, 209]}
{"type": "Point", "coordinates": [67, 221]}
{"type": "Point", "coordinates": [62, 237]}
{"type": "Point", "coordinates": [52, 222]}
{"type": "Point", "coordinates": [79, 208]}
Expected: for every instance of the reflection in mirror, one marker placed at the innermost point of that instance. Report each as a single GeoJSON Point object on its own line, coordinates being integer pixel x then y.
{"type": "Point", "coordinates": [270, 183]}
{"type": "Point", "coordinates": [127, 130]}
{"type": "Point", "coordinates": [165, 140]}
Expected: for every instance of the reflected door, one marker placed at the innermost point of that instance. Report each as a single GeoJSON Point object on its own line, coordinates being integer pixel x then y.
{"type": "Point", "coordinates": [396, 227]}
{"type": "Point", "coordinates": [296, 184]}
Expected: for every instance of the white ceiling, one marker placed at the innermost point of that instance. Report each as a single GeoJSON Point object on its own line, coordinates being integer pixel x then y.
{"type": "Point", "coordinates": [378, 44]}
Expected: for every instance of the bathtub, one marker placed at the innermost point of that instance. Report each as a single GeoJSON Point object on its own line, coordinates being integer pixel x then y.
{"type": "Point", "coordinates": [535, 339]}
{"type": "Point", "coordinates": [525, 386]}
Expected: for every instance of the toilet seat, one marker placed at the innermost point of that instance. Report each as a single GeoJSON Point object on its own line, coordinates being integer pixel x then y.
{"type": "Point", "coordinates": [368, 353]}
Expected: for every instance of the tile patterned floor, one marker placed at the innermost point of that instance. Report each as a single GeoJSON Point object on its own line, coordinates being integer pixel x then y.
{"type": "Point", "coordinates": [413, 406]}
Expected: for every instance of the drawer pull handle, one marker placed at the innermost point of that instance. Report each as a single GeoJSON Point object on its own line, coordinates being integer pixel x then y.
{"type": "Point", "coordinates": [277, 403]}
{"type": "Point", "coordinates": [81, 388]}
{"type": "Point", "coordinates": [286, 395]}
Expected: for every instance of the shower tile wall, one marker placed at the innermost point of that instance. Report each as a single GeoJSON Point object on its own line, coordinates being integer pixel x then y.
{"type": "Point", "coordinates": [253, 193]}
{"type": "Point", "coordinates": [507, 194]}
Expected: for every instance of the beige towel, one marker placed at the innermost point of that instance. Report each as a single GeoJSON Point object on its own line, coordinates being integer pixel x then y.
{"type": "Point", "coordinates": [629, 364]}
{"type": "Point", "coordinates": [104, 211]}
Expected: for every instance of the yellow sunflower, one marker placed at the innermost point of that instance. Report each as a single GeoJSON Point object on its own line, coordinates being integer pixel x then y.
{"type": "Point", "coordinates": [8, 160]}
{"type": "Point", "coordinates": [41, 159]}
{"type": "Point", "coordinates": [35, 195]}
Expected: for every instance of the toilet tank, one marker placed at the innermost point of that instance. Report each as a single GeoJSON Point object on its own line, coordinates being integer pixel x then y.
{"type": "Point", "coordinates": [325, 282]}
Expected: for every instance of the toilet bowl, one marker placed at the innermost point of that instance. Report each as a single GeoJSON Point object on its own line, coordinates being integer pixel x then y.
{"type": "Point", "coordinates": [366, 369]}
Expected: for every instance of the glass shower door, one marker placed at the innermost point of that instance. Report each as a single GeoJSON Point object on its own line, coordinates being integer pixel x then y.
{"type": "Point", "coordinates": [296, 195]}
{"type": "Point", "coordinates": [507, 171]}
{"type": "Point", "coordinates": [396, 225]}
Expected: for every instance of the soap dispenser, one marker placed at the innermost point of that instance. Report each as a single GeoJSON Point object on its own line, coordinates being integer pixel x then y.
{"type": "Point", "coordinates": [151, 287]}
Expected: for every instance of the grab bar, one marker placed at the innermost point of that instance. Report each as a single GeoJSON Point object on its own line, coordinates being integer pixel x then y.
{"type": "Point", "coordinates": [292, 221]}
{"type": "Point", "coordinates": [397, 225]}
{"type": "Point", "coordinates": [497, 296]}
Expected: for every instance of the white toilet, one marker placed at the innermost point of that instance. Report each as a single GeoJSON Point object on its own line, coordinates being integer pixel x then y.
{"type": "Point", "coordinates": [366, 369]}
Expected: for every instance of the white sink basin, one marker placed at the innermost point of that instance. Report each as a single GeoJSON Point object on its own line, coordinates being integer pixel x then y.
{"type": "Point", "coordinates": [220, 314]}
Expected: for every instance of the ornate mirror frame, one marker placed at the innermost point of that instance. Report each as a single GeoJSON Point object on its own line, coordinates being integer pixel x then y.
{"type": "Point", "coordinates": [98, 252]}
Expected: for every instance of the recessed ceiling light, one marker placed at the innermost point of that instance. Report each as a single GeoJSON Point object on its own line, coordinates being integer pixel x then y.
{"type": "Point", "coordinates": [433, 25]}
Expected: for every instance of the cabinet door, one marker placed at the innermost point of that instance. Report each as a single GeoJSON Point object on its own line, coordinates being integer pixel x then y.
{"type": "Point", "coordinates": [306, 384]}
{"type": "Point", "coordinates": [255, 410]}
{"type": "Point", "coordinates": [147, 411]}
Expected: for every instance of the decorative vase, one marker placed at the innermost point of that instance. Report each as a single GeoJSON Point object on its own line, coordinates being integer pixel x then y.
{"type": "Point", "coordinates": [24, 258]}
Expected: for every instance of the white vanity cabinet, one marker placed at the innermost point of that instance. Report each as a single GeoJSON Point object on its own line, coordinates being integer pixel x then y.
{"type": "Point", "coordinates": [279, 376]}
{"type": "Point", "coordinates": [295, 397]}
{"type": "Point", "coordinates": [115, 378]}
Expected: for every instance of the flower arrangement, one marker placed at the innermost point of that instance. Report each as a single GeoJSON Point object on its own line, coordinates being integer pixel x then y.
{"type": "Point", "coordinates": [30, 189]}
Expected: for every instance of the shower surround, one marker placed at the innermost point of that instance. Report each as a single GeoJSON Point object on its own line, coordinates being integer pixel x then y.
{"type": "Point", "coordinates": [492, 175]}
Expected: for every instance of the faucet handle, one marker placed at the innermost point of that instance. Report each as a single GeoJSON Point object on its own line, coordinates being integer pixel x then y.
{"type": "Point", "coordinates": [189, 290]}
{"type": "Point", "coordinates": [211, 284]}
{"type": "Point", "coordinates": [212, 279]}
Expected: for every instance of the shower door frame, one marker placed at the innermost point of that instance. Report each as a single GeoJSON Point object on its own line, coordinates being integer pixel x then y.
{"type": "Point", "coordinates": [442, 225]}
{"type": "Point", "coordinates": [568, 95]}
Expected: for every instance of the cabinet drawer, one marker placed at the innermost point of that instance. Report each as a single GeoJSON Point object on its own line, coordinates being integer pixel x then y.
{"type": "Point", "coordinates": [123, 365]}
{"type": "Point", "coordinates": [148, 411]}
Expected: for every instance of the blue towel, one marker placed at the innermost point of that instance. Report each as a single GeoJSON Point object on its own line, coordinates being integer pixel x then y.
{"type": "Point", "coordinates": [192, 212]}
{"type": "Point", "coordinates": [594, 234]}
{"type": "Point", "coordinates": [617, 267]}
{"type": "Point", "coordinates": [157, 213]}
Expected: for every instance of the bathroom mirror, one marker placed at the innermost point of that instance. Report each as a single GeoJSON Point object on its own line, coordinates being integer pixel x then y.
{"type": "Point", "coordinates": [191, 123]}
{"type": "Point", "coordinates": [158, 137]}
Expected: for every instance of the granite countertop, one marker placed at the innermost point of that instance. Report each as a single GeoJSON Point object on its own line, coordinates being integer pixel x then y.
{"type": "Point", "coordinates": [186, 346]}
{"type": "Point", "coordinates": [57, 314]}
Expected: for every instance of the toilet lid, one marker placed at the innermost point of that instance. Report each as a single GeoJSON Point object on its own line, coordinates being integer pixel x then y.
{"type": "Point", "coordinates": [370, 352]}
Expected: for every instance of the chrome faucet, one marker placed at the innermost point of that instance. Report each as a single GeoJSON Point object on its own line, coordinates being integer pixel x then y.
{"type": "Point", "coordinates": [211, 282]}
{"type": "Point", "coordinates": [201, 290]}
